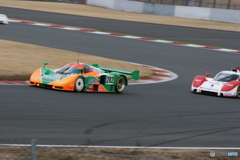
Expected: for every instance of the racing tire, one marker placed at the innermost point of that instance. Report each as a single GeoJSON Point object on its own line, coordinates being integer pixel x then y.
{"type": "Point", "coordinates": [238, 91]}
{"type": "Point", "coordinates": [120, 85]}
{"type": "Point", "coordinates": [79, 84]}
{"type": "Point", "coordinates": [194, 91]}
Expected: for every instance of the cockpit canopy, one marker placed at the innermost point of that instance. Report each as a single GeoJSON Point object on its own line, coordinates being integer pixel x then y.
{"type": "Point", "coordinates": [226, 77]}
{"type": "Point", "coordinates": [69, 70]}
{"type": "Point", "coordinates": [74, 68]}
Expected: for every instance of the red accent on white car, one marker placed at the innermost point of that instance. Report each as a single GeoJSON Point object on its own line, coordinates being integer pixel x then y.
{"type": "Point", "coordinates": [198, 81]}
{"type": "Point", "coordinates": [229, 86]}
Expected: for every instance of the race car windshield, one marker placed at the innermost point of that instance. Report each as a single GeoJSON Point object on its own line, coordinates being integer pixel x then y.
{"type": "Point", "coordinates": [69, 70]}
{"type": "Point", "coordinates": [226, 77]}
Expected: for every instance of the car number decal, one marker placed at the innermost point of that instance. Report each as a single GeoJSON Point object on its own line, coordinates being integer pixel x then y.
{"type": "Point", "coordinates": [110, 79]}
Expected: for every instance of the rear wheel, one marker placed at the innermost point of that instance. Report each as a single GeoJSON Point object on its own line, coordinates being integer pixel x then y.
{"type": "Point", "coordinates": [79, 84]}
{"type": "Point", "coordinates": [238, 91]}
{"type": "Point", "coordinates": [121, 84]}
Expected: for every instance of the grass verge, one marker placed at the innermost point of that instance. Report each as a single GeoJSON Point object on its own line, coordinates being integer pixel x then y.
{"type": "Point", "coordinates": [118, 153]}
{"type": "Point", "coordinates": [19, 60]}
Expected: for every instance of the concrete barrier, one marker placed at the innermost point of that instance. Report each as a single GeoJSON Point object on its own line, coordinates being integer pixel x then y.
{"type": "Point", "coordinates": [148, 8]}
{"type": "Point", "coordinates": [225, 15]}
{"type": "Point", "coordinates": [164, 10]}
{"type": "Point", "coordinates": [192, 12]}
{"type": "Point", "coordinates": [102, 3]}
{"type": "Point", "coordinates": [129, 6]}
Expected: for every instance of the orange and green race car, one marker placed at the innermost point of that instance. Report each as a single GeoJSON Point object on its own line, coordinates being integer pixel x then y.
{"type": "Point", "coordinates": [82, 77]}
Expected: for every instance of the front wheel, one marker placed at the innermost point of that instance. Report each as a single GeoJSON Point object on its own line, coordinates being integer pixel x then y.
{"type": "Point", "coordinates": [194, 91]}
{"type": "Point", "coordinates": [121, 84]}
{"type": "Point", "coordinates": [79, 84]}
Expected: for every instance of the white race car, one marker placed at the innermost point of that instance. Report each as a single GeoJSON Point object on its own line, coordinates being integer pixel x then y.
{"type": "Point", "coordinates": [225, 83]}
{"type": "Point", "coordinates": [3, 19]}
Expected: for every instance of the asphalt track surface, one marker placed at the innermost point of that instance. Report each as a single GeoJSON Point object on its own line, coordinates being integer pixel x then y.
{"type": "Point", "coordinates": [163, 114]}
{"type": "Point", "coordinates": [216, 38]}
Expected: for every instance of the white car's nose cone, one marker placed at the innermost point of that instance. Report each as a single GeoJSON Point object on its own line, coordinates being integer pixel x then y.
{"type": "Point", "coordinates": [4, 19]}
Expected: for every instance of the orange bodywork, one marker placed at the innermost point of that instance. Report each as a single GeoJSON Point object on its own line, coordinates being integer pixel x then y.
{"type": "Point", "coordinates": [67, 83]}
{"type": "Point", "coordinates": [36, 76]}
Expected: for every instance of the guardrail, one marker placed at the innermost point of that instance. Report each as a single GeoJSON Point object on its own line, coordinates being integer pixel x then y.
{"type": "Point", "coordinates": [224, 4]}
{"type": "Point", "coordinates": [44, 152]}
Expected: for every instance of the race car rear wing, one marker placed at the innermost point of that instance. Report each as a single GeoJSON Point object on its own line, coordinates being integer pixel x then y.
{"type": "Point", "coordinates": [134, 74]}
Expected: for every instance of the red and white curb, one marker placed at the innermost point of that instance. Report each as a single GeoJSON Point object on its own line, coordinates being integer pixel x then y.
{"type": "Point", "coordinates": [159, 75]}
{"type": "Point", "coordinates": [3, 82]}
{"type": "Point", "coordinates": [127, 36]}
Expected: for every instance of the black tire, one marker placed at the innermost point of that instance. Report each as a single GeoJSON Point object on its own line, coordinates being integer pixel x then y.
{"type": "Point", "coordinates": [238, 91]}
{"type": "Point", "coordinates": [194, 91]}
{"type": "Point", "coordinates": [79, 84]}
{"type": "Point", "coordinates": [120, 85]}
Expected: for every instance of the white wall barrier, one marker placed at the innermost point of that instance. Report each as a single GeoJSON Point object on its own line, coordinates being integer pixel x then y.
{"type": "Point", "coordinates": [192, 12]}
{"type": "Point", "coordinates": [224, 15]}
{"type": "Point", "coordinates": [148, 8]}
{"type": "Point", "coordinates": [129, 6]}
{"type": "Point", "coordinates": [164, 10]}
{"type": "Point", "coordinates": [102, 3]}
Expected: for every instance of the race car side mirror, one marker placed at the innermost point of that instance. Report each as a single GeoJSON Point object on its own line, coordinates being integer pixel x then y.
{"type": "Point", "coordinates": [44, 64]}
{"type": "Point", "coordinates": [207, 74]}
{"type": "Point", "coordinates": [238, 79]}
